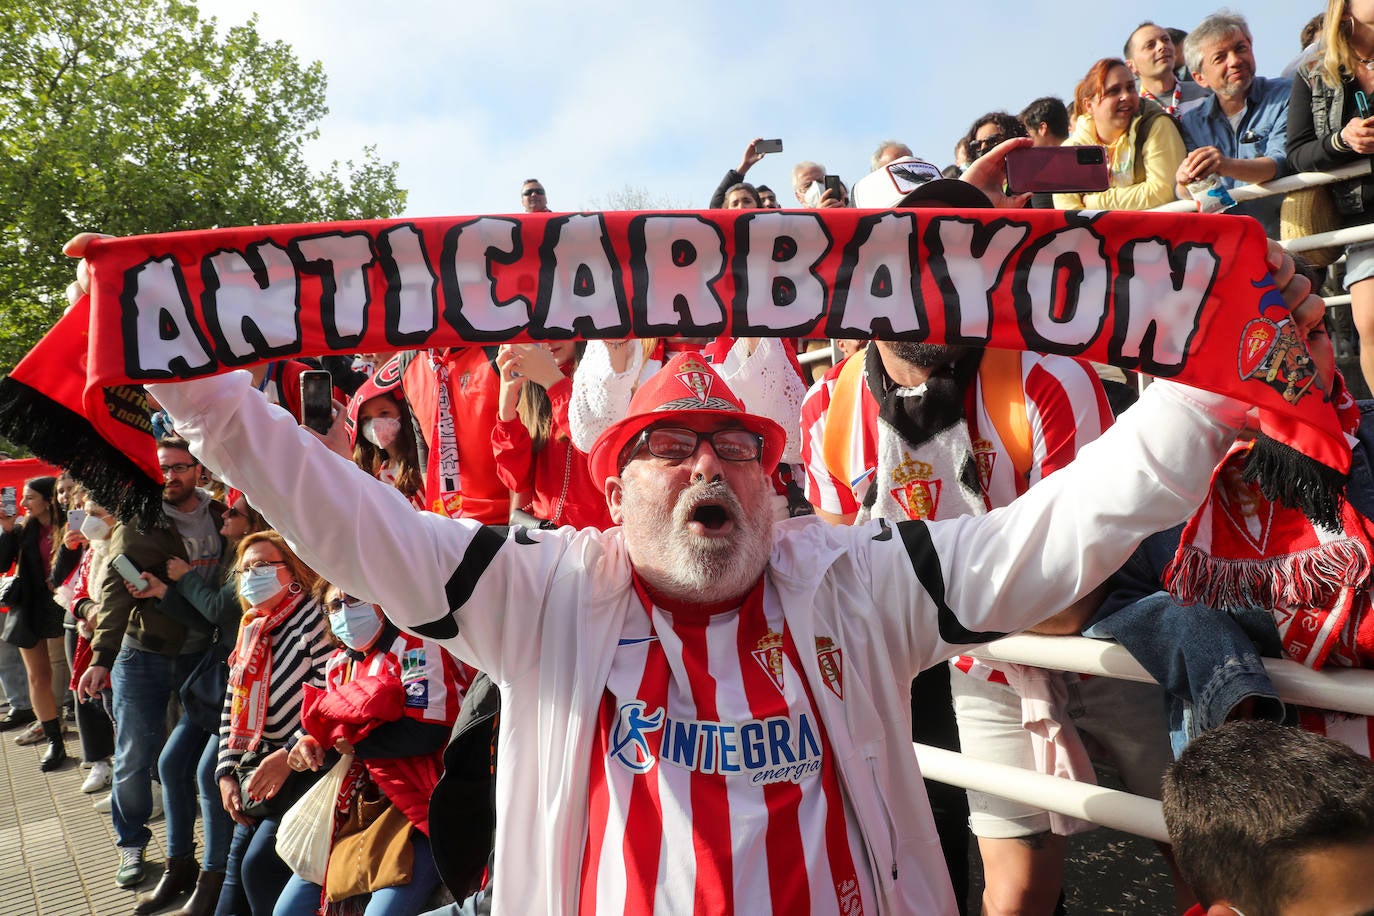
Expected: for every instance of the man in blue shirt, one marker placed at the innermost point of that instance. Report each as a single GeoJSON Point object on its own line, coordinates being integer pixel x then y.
{"type": "Point", "coordinates": [1241, 132]}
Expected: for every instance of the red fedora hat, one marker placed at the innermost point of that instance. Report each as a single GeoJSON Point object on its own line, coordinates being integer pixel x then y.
{"type": "Point", "coordinates": [686, 389]}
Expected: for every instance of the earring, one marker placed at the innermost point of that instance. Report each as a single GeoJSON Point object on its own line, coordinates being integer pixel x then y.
{"type": "Point", "coordinates": [294, 588]}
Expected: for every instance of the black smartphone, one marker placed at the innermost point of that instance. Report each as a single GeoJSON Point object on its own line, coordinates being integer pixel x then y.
{"type": "Point", "coordinates": [768, 146]}
{"type": "Point", "coordinates": [1057, 169]}
{"type": "Point", "coordinates": [833, 183]}
{"type": "Point", "coordinates": [317, 400]}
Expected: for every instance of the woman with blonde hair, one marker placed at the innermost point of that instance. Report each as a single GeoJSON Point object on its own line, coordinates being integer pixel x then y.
{"type": "Point", "coordinates": [281, 645]}
{"type": "Point", "coordinates": [1330, 125]}
{"type": "Point", "coordinates": [1144, 146]}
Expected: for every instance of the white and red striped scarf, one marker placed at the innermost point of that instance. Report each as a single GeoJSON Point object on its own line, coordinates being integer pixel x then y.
{"type": "Point", "coordinates": [1242, 550]}
{"type": "Point", "coordinates": [250, 671]}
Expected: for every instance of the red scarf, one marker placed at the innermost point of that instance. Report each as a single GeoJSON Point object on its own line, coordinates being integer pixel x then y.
{"type": "Point", "coordinates": [1177, 295]}
{"type": "Point", "coordinates": [250, 670]}
{"type": "Point", "coordinates": [1242, 550]}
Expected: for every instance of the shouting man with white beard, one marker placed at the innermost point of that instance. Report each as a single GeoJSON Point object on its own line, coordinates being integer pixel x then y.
{"type": "Point", "coordinates": [703, 708]}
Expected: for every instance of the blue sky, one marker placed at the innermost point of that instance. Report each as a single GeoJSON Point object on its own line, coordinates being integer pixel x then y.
{"type": "Point", "coordinates": [472, 98]}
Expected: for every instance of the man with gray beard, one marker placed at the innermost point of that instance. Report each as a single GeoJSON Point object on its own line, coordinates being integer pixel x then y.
{"type": "Point", "coordinates": [703, 706]}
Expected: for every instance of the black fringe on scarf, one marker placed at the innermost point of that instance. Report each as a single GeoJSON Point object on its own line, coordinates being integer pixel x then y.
{"type": "Point", "coordinates": [64, 438]}
{"type": "Point", "coordinates": [1285, 475]}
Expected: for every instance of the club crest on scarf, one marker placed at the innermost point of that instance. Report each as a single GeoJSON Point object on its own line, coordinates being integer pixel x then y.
{"type": "Point", "coordinates": [985, 459]}
{"type": "Point", "coordinates": [915, 491]}
{"type": "Point", "coordinates": [1276, 355]}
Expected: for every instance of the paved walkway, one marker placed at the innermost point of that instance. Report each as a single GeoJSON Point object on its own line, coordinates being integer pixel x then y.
{"type": "Point", "coordinates": [57, 854]}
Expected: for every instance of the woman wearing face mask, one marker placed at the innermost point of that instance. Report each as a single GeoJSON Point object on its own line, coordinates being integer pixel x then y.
{"type": "Point", "coordinates": [390, 700]}
{"type": "Point", "coordinates": [189, 758]}
{"type": "Point", "coordinates": [382, 434]}
{"type": "Point", "coordinates": [281, 646]}
{"type": "Point", "coordinates": [35, 617]}
{"type": "Point", "coordinates": [534, 452]}
{"type": "Point", "coordinates": [93, 726]}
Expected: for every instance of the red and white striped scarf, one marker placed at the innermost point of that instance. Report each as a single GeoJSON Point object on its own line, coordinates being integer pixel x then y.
{"type": "Point", "coordinates": [250, 671]}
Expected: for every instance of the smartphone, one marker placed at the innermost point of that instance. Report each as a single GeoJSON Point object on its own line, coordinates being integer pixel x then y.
{"type": "Point", "coordinates": [129, 572]}
{"type": "Point", "coordinates": [1057, 169]}
{"type": "Point", "coordinates": [75, 518]}
{"type": "Point", "coordinates": [768, 146]}
{"type": "Point", "coordinates": [317, 400]}
{"type": "Point", "coordinates": [833, 183]}
{"type": "Point", "coordinates": [9, 501]}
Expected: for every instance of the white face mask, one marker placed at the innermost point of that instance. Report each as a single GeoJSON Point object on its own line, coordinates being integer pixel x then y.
{"type": "Point", "coordinates": [382, 431]}
{"type": "Point", "coordinates": [95, 528]}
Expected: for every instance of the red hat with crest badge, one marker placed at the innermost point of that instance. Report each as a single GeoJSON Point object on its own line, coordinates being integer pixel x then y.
{"type": "Point", "coordinates": [685, 390]}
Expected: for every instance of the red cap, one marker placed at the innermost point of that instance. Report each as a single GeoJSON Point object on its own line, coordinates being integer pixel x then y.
{"type": "Point", "coordinates": [687, 389]}
{"type": "Point", "coordinates": [386, 380]}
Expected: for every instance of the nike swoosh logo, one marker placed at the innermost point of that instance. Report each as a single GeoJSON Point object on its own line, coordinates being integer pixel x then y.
{"type": "Point", "coordinates": [635, 642]}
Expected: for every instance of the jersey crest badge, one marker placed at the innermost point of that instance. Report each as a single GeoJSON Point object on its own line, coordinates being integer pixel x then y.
{"type": "Point", "coordinates": [915, 492]}
{"type": "Point", "coordinates": [768, 653]}
{"type": "Point", "coordinates": [830, 657]}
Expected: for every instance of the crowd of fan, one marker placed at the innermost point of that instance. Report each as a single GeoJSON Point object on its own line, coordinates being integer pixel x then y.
{"type": "Point", "coordinates": [521, 419]}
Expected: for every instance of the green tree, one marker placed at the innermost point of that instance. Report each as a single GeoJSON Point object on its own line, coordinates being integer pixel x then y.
{"type": "Point", "coordinates": [135, 116]}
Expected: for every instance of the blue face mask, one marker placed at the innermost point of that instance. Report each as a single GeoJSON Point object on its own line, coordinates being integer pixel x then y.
{"type": "Point", "coordinates": [258, 586]}
{"type": "Point", "coordinates": [356, 624]}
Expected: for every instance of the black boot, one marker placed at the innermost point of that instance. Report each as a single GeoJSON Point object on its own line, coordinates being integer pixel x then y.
{"type": "Point", "coordinates": [205, 898]}
{"type": "Point", "coordinates": [178, 877]}
{"type": "Point", "coordinates": [56, 754]}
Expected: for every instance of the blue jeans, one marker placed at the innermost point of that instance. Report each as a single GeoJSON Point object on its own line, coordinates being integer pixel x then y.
{"type": "Point", "coordinates": [1206, 660]}
{"type": "Point", "coordinates": [301, 898]}
{"type": "Point", "coordinates": [13, 679]}
{"type": "Point", "coordinates": [142, 683]}
{"type": "Point", "coordinates": [255, 875]}
{"type": "Point", "coordinates": [187, 764]}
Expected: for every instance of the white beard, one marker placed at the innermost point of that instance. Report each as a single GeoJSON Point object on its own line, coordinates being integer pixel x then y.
{"type": "Point", "coordinates": [685, 566]}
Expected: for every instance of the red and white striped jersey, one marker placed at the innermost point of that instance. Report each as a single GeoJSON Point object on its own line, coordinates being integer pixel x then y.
{"type": "Point", "coordinates": [713, 784]}
{"type": "Point", "coordinates": [433, 679]}
{"type": "Point", "coordinates": [1354, 731]}
{"type": "Point", "coordinates": [1065, 408]}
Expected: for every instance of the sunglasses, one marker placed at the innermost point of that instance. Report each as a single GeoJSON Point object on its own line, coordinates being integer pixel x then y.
{"type": "Point", "coordinates": [335, 605]}
{"type": "Point", "coordinates": [235, 513]}
{"type": "Point", "coordinates": [674, 444]}
{"type": "Point", "coordinates": [980, 147]}
{"type": "Point", "coordinates": [530, 192]}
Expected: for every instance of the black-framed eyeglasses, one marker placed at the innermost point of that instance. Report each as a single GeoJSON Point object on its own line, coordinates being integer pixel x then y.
{"type": "Point", "coordinates": [259, 564]}
{"type": "Point", "coordinates": [176, 468]}
{"type": "Point", "coordinates": [530, 192]}
{"type": "Point", "coordinates": [674, 443]}
{"type": "Point", "coordinates": [986, 145]}
{"type": "Point", "coordinates": [231, 512]}
{"type": "Point", "coordinates": [337, 604]}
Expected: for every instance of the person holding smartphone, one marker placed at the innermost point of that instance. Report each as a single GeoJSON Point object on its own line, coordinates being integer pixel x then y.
{"type": "Point", "coordinates": [753, 154]}
{"type": "Point", "coordinates": [1329, 125]}
{"type": "Point", "coordinates": [34, 620]}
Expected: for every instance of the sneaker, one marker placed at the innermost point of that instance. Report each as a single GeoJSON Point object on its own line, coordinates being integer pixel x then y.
{"type": "Point", "coordinates": [103, 804]}
{"type": "Point", "coordinates": [31, 735]}
{"type": "Point", "coordinates": [130, 871]}
{"type": "Point", "coordinates": [98, 778]}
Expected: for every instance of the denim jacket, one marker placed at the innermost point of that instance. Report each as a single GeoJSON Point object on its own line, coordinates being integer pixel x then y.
{"type": "Point", "coordinates": [1263, 133]}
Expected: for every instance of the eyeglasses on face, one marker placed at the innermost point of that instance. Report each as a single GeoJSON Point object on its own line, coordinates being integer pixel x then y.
{"type": "Point", "coordinates": [673, 443]}
{"type": "Point", "coordinates": [530, 192]}
{"type": "Point", "coordinates": [339, 602]}
{"type": "Point", "coordinates": [231, 512]}
{"type": "Point", "coordinates": [259, 564]}
{"type": "Point", "coordinates": [176, 468]}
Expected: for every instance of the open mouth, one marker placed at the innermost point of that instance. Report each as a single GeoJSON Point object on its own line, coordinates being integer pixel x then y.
{"type": "Point", "coordinates": [711, 516]}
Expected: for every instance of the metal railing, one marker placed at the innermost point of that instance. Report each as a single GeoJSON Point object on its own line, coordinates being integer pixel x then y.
{"type": "Point", "coordinates": [1342, 690]}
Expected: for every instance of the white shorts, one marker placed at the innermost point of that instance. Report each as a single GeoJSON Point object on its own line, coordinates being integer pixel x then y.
{"type": "Point", "coordinates": [1359, 263]}
{"type": "Point", "coordinates": [1120, 722]}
